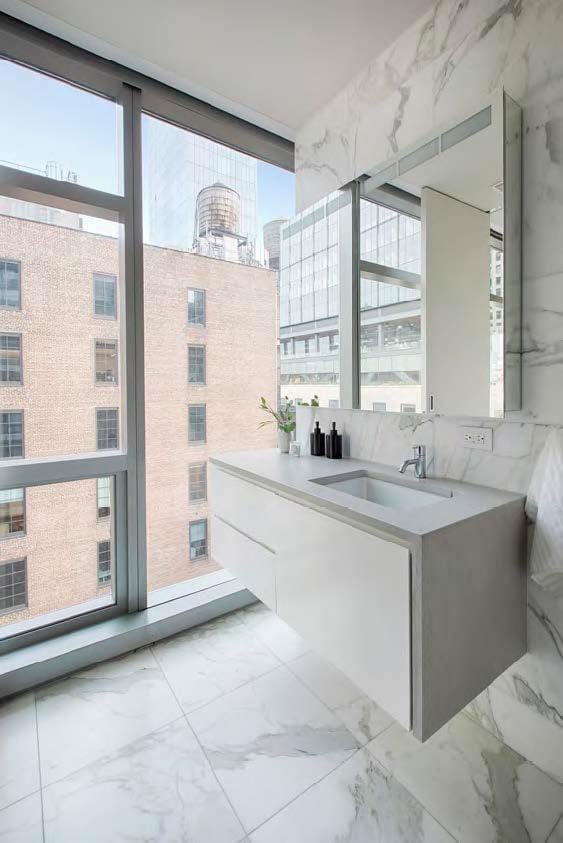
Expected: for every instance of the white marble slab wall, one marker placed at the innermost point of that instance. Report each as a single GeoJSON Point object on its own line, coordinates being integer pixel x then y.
{"type": "Point", "coordinates": [441, 70]}
{"type": "Point", "coordinates": [524, 707]}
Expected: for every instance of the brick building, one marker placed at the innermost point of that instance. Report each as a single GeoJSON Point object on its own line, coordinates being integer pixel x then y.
{"type": "Point", "coordinates": [209, 356]}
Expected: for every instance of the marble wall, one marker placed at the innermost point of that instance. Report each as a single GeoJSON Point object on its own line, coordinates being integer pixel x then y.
{"type": "Point", "coordinates": [524, 707]}
{"type": "Point", "coordinates": [438, 71]}
{"type": "Point", "coordinates": [441, 70]}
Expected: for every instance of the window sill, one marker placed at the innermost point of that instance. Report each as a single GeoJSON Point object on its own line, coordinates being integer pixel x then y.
{"type": "Point", "coordinates": [39, 663]}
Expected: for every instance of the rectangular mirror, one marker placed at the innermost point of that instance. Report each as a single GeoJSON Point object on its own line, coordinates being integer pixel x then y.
{"type": "Point", "coordinates": [440, 271]}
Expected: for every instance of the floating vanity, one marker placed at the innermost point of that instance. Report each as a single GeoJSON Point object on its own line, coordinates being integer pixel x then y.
{"type": "Point", "coordinates": [415, 589]}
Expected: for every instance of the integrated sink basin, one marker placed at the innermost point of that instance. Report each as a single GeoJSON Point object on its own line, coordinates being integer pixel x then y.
{"type": "Point", "coordinates": [370, 487]}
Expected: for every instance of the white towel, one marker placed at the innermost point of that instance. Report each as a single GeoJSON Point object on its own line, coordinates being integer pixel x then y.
{"type": "Point", "coordinates": [544, 506]}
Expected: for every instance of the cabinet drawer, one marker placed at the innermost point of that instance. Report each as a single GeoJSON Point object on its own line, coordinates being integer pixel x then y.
{"type": "Point", "coordinates": [250, 562]}
{"type": "Point", "coordinates": [254, 511]}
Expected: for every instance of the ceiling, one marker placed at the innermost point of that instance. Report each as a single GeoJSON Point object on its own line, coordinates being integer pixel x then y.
{"type": "Point", "coordinates": [273, 63]}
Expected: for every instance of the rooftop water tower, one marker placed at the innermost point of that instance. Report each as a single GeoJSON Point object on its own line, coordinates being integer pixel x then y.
{"type": "Point", "coordinates": [217, 210]}
{"type": "Point", "coordinates": [272, 240]}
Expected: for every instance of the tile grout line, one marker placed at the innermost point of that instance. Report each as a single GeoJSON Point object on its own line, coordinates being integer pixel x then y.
{"type": "Point", "coordinates": [214, 774]}
{"type": "Point", "coordinates": [39, 766]}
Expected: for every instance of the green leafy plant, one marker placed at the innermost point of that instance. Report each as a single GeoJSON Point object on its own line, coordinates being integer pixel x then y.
{"type": "Point", "coordinates": [314, 402]}
{"type": "Point", "coordinates": [284, 418]}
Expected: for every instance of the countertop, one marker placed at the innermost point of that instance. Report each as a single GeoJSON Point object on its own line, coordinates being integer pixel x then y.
{"type": "Point", "coordinates": [293, 476]}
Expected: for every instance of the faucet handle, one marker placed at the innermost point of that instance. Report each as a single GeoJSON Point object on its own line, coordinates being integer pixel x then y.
{"type": "Point", "coordinates": [419, 450]}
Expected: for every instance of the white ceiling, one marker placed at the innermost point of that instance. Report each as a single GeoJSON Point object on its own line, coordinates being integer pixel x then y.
{"type": "Point", "coordinates": [273, 62]}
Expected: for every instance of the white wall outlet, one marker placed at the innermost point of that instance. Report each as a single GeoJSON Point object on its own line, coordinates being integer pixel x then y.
{"type": "Point", "coordinates": [480, 438]}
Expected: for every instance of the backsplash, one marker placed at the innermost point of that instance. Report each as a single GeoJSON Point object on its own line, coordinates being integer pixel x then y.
{"type": "Point", "coordinates": [524, 707]}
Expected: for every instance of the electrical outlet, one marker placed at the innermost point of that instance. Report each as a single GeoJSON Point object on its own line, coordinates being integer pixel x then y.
{"type": "Point", "coordinates": [480, 438]}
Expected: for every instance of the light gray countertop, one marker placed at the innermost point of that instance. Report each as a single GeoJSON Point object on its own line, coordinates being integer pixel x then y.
{"type": "Point", "coordinates": [293, 476]}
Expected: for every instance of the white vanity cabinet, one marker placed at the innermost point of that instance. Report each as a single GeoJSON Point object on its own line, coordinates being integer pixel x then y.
{"type": "Point", "coordinates": [347, 592]}
{"type": "Point", "coordinates": [421, 608]}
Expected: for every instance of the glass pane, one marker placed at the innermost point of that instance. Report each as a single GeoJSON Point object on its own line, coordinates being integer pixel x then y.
{"type": "Point", "coordinates": [390, 330]}
{"type": "Point", "coordinates": [212, 224]}
{"type": "Point", "coordinates": [59, 130]}
{"type": "Point", "coordinates": [310, 304]}
{"type": "Point", "coordinates": [60, 330]}
{"type": "Point", "coordinates": [57, 558]}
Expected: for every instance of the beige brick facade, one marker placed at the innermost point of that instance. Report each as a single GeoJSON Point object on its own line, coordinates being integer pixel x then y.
{"type": "Point", "coordinates": [59, 396]}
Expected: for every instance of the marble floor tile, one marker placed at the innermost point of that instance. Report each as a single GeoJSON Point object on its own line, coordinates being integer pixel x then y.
{"type": "Point", "coordinates": [268, 741]}
{"type": "Point", "coordinates": [22, 822]}
{"type": "Point", "coordinates": [206, 662]}
{"type": "Point", "coordinates": [159, 789]}
{"type": "Point", "coordinates": [359, 801]}
{"type": "Point", "coordinates": [361, 715]}
{"type": "Point", "coordinates": [277, 635]}
{"type": "Point", "coordinates": [92, 713]}
{"type": "Point", "coordinates": [19, 762]}
{"type": "Point", "coordinates": [537, 738]}
{"type": "Point", "coordinates": [476, 786]}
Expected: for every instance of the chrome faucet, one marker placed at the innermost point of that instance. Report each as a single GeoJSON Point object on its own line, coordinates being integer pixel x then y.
{"type": "Point", "coordinates": [419, 462]}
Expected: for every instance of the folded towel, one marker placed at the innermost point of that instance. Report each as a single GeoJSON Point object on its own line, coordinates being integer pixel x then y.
{"type": "Point", "coordinates": [544, 506]}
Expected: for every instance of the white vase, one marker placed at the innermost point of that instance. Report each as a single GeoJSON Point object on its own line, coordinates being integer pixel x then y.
{"type": "Point", "coordinates": [283, 441]}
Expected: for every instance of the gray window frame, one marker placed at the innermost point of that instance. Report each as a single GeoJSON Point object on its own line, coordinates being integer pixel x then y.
{"type": "Point", "coordinates": [105, 275]}
{"type": "Point", "coordinates": [16, 456]}
{"type": "Point", "coordinates": [200, 364]}
{"type": "Point", "coordinates": [6, 306]}
{"type": "Point", "coordinates": [22, 532]}
{"type": "Point", "coordinates": [99, 410]}
{"type": "Point", "coordinates": [103, 383]}
{"type": "Point", "coordinates": [135, 94]}
{"type": "Point", "coordinates": [20, 337]}
{"type": "Point", "coordinates": [203, 441]}
{"type": "Point", "coordinates": [195, 523]}
{"type": "Point", "coordinates": [20, 607]}
{"type": "Point", "coordinates": [196, 322]}
{"type": "Point", "coordinates": [192, 467]}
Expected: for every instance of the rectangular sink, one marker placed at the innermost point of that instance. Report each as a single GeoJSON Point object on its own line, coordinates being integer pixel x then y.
{"type": "Point", "coordinates": [370, 487]}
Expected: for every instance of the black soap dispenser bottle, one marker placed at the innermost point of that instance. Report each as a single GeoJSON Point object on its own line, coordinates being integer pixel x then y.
{"type": "Point", "coordinates": [334, 444]}
{"type": "Point", "coordinates": [317, 442]}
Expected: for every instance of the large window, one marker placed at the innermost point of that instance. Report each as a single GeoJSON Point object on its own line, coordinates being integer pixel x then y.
{"type": "Point", "coordinates": [10, 358]}
{"type": "Point", "coordinates": [11, 434]}
{"type": "Point", "coordinates": [82, 310]}
{"type": "Point", "coordinates": [13, 586]}
{"type": "Point", "coordinates": [10, 285]}
{"type": "Point", "coordinates": [107, 363]}
{"type": "Point", "coordinates": [196, 364]}
{"type": "Point", "coordinates": [12, 513]}
{"type": "Point", "coordinates": [107, 428]}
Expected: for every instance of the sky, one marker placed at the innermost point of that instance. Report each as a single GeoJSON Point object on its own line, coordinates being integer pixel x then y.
{"type": "Point", "coordinates": [52, 121]}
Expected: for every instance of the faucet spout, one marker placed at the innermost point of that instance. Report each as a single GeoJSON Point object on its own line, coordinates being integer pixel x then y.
{"type": "Point", "coordinates": [419, 462]}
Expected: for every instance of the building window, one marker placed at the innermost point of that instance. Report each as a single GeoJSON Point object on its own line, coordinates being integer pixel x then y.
{"type": "Point", "coordinates": [198, 540]}
{"type": "Point", "coordinates": [13, 585]}
{"type": "Point", "coordinates": [196, 364]}
{"type": "Point", "coordinates": [107, 428]}
{"type": "Point", "coordinates": [106, 361]}
{"type": "Point", "coordinates": [10, 358]}
{"type": "Point", "coordinates": [198, 482]}
{"type": "Point", "coordinates": [103, 491]}
{"type": "Point", "coordinates": [104, 563]}
{"type": "Point", "coordinates": [196, 307]}
{"type": "Point", "coordinates": [333, 403]}
{"type": "Point", "coordinates": [379, 406]}
{"type": "Point", "coordinates": [12, 513]}
{"type": "Point", "coordinates": [408, 408]}
{"type": "Point", "coordinates": [10, 285]}
{"type": "Point", "coordinates": [196, 423]}
{"type": "Point", "coordinates": [105, 300]}
{"type": "Point", "coordinates": [11, 434]}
